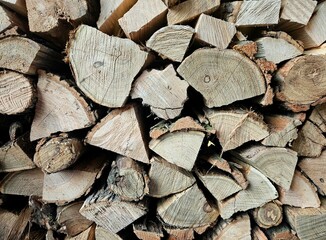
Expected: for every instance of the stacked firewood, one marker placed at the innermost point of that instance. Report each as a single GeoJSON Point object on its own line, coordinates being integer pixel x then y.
{"type": "Point", "coordinates": [151, 119]}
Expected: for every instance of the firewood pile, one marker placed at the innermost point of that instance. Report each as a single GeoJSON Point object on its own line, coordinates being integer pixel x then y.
{"type": "Point", "coordinates": [162, 119]}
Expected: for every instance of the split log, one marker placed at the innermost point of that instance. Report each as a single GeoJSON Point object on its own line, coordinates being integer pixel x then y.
{"type": "Point", "coordinates": [140, 27]}
{"type": "Point", "coordinates": [283, 129]}
{"type": "Point", "coordinates": [121, 131]}
{"type": "Point", "coordinates": [25, 183]}
{"type": "Point", "coordinates": [206, 71]}
{"type": "Point", "coordinates": [258, 234]}
{"type": "Point", "coordinates": [321, 50]}
{"type": "Point", "coordinates": [301, 194]}
{"type": "Point", "coordinates": [58, 153]}
{"type": "Point", "coordinates": [310, 141]}
{"type": "Point", "coordinates": [188, 10]}
{"type": "Point", "coordinates": [60, 108]}
{"type": "Point", "coordinates": [259, 192]}
{"type": "Point", "coordinates": [19, 228]}
{"type": "Point", "coordinates": [166, 178]}
{"type": "Point", "coordinates": [68, 185]}
{"type": "Point", "coordinates": [185, 145]}
{"type": "Point", "coordinates": [281, 232]}
{"type": "Point", "coordinates": [309, 223]}
{"type": "Point", "coordinates": [313, 34]}
{"type": "Point", "coordinates": [295, 14]}
{"type": "Point", "coordinates": [213, 31]}
{"type": "Point", "coordinates": [234, 128]}
{"type": "Point", "coordinates": [128, 179]}
{"type": "Point", "coordinates": [315, 169]}
{"type": "Point", "coordinates": [110, 14]}
{"type": "Point", "coordinates": [276, 50]}
{"type": "Point", "coordinates": [259, 13]}
{"type": "Point", "coordinates": [92, 65]}
{"type": "Point", "coordinates": [278, 164]}
{"type": "Point", "coordinates": [28, 56]}
{"type": "Point", "coordinates": [230, 10]}
{"type": "Point", "coordinates": [10, 19]}
{"type": "Point", "coordinates": [7, 222]}
{"type": "Point", "coordinates": [297, 81]}
{"type": "Point", "coordinates": [268, 215]}
{"type": "Point", "coordinates": [16, 155]}
{"type": "Point", "coordinates": [318, 117]}
{"type": "Point", "coordinates": [180, 234]}
{"type": "Point", "coordinates": [174, 210]}
{"type": "Point", "coordinates": [219, 185]}
{"type": "Point", "coordinates": [148, 230]}
{"type": "Point", "coordinates": [103, 234]}
{"type": "Point", "coordinates": [108, 211]}
{"type": "Point", "coordinates": [17, 93]}
{"type": "Point", "coordinates": [18, 6]}
{"type": "Point", "coordinates": [178, 35]}
{"type": "Point", "coordinates": [236, 228]}
{"type": "Point", "coordinates": [88, 234]}
{"type": "Point", "coordinates": [163, 91]}
{"type": "Point", "coordinates": [71, 221]}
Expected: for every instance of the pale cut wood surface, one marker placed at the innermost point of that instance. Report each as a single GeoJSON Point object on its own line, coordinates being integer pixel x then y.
{"type": "Point", "coordinates": [301, 194]}
{"type": "Point", "coordinates": [26, 56]}
{"type": "Point", "coordinates": [68, 185]}
{"type": "Point", "coordinates": [9, 19]}
{"type": "Point", "coordinates": [216, 75]}
{"type": "Point", "coordinates": [60, 108]}
{"type": "Point", "coordinates": [260, 191]}
{"type": "Point", "coordinates": [259, 13]}
{"type": "Point", "coordinates": [234, 228]}
{"type": "Point", "coordinates": [309, 223]}
{"type": "Point", "coordinates": [144, 18]}
{"type": "Point", "coordinates": [111, 11]}
{"type": "Point", "coordinates": [25, 183]}
{"type": "Point", "coordinates": [179, 234]}
{"type": "Point", "coordinates": [234, 128]}
{"type": "Point", "coordinates": [16, 155]}
{"type": "Point", "coordinates": [166, 178]}
{"type": "Point", "coordinates": [103, 234]}
{"type": "Point", "coordinates": [104, 66]}
{"type": "Point", "coordinates": [148, 229]}
{"type": "Point", "coordinates": [268, 215]}
{"type": "Point", "coordinates": [179, 36]}
{"type": "Point", "coordinates": [283, 129]}
{"type": "Point", "coordinates": [315, 169]}
{"type": "Point", "coordinates": [258, 234]}
{"type": "Point", "coordinates": [185, 145]}
{"type": "Point", "coordinates": [278, 164]}
{"type": "Point", "coordinates": [174, 210]}
{"type": "Point", "coordinates": [7, 222]}
{"type": "Point", "coordinates": [214, 31]}
{"type": "Point", "coordinates": [163, 91]}
{"type": "Point", "coordinates": [314, 34]}
{"type": "Point", "coordinates": [71, 221]}
{"type": "Point", "coordinates": [276, 50]}
{"type": "Point", "coordinates": [190, 9]}
{"type": "Point", "coordinates": [321, 50]}
{"type": "Point", "coordinates": [18, 231]}
{"type": "Point", "coordinates": [318, 117]}
{"type": "Point", "coordinates": [121, 131]}
{"type": "Point", "coordinates": [57, 153]}
{"type": "Point", "coordinates": [298, 78]}
{"type": "Point", "coordinates": [18, 6]}
{"type": "Point", "coordinates": [17, 93]}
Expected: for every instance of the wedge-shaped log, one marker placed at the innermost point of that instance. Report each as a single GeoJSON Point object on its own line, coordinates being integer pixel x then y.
{"type": "Point", "coordinates": [278, 164]}
{"type": "Point", "coordinates": [67, 185]}
{"type": "Point", "coordinates": [234, 228]}
{"type": "Point", "coordinates": [25, 183]}
{"type": "Point", "coordinates": [103, 234]}
{"type": "Point", "coordinates": [174, 210]}
{"type": "Point", "coordinates": [191, 9]}
{"type": "Point", "coordinates": [104, 66]}
{"type": "Point", "coordinates": [309, 223]}
{"type": "Point", "coordinates": [297, 81]}
{"type": "Point", "coordinates": [315, 169]}
{"type": "Point", "coordinates": [259, 13]}
{"type": "Point", "coordinates": [321, 50]}
{"type": "Point", "coordinates": [148, 229]}
{"type": "Point", "coordinates": [211, 72]}
{"type": "Point", "coordinates": [234, 128]}
{"type": "Point", "coordinates": [166, 178]}
{"type": "Point", "coordinates": [177, 35]}
{"type": "Point", "coordinates": [139, 24]}
{"type": "Point", "coordinates": [163, 91]}
{"type": "Point", "coordinates": [258, 234]}
{"type": "Point", "coordinates": [185, 145]}
{"type": "Point", "coordinates": [318, 117]}
{"type": "Point", "coordinates": [60, 108]}
{"type": "Point", "coordinates": [301, 194]}
{"type": "Point", "coordinates": [214, 31]}
{"type": "Point", "coordinates": [121, 131]}
{"type": "Point", "coordinates": [259, 192]}
{"type": "Point", "coordinates": [268, 215]}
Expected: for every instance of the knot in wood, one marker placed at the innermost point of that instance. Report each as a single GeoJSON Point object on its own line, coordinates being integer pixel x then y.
{"type": "Point", "coordinates": [207, 79]}
{"type": "Point", "coordinates": [207, 208]}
